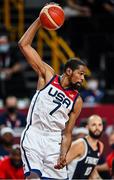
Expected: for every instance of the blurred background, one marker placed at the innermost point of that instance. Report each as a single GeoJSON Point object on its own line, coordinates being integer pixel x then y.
{"type": "Point", "coordinates": [87, 33]}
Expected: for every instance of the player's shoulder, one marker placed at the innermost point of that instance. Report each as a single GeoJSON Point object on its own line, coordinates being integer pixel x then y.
{"type": "Point", "coordinates": [49, 73]}
{"type": "Point", "coordinates": [78, 102]}
{"type": "Point", "coordinates": [79, 142]}
{"type": "Point", "coordinates": [79, 146]}
{"type": "Point", "coordinates": [79, 99]}
{"type": "Point", "coordinates": [49, 68]}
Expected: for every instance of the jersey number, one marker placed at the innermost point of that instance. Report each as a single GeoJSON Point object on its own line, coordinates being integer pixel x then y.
{"type": "Point", "coordinates": [57, 107]}
{"type": "Point", "coordinates": [88, 171]}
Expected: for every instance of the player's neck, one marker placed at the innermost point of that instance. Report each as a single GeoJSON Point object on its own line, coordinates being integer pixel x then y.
{"type": "Point", "coordinates": [93, 142]}
{"type": "Point", "coordinates": [64, 81]}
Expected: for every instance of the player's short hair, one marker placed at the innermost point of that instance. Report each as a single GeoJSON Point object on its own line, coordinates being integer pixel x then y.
{"type": "Point", "coordinates": [74, 63]}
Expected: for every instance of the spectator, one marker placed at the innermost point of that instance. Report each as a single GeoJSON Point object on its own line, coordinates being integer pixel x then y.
{"type": "Point", "coordinates": [100, 42]}
{"type": "Point", "coordinates": [110, 157]}
{"type": "Point", "coordinates": [107, 166]}
{"type": "Point", "coordinates": [104, 7]}
{"type": "Point", "coordinates": [103, 174]}
{"type": "Point", "coordinates": [78, 14]}
{"type": "Point", "coordinates": [113, 169]}
{"type": "Point", "coordinates": [81, 8]}
{"type": "Point", "coordinates": [79, 132]}
{"type": "Point", "coordinates": [6, 141]}
{"type": "Point", "coordinates": [11, 77]}
{"type": "Point", "coordinates": [12, 117]}
{"type": "Point", "coordinates": [11, 167]}
{"type": "Point", "coordinates": [83, 123]}
{"type": "Point", "coordinates": [92, 94]}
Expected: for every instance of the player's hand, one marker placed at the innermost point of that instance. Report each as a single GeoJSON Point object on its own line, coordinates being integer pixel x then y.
{"type": "Point", "coordinates": [61, 162]}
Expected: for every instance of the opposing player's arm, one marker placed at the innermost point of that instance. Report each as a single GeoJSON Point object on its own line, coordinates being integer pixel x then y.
{"type": "Point", "coordinates": [102, 167]}
{"type": "Point", "coordinates": [95, 175]}
{"type": "Point", "coordinates": [76, 150]}
{"type": "Point", "coordinates": [30, 53]}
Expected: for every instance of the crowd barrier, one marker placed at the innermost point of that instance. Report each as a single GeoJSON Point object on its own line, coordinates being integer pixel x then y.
{"type": "Point", "coordinates": [106, 111]}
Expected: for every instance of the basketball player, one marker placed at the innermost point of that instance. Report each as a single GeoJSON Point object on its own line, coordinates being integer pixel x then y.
{"type": "Point", "coordinates": [85, 152]}
{"type": "Point", "coordinates": [52, 113]}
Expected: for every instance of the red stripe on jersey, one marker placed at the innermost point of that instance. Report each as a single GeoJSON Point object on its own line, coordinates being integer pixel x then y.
{"type": "Point", "coordinates": [72, 94]}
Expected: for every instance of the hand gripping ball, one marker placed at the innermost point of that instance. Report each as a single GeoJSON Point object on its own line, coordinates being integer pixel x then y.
{"type": "Point", "coordinates": [52, 17]}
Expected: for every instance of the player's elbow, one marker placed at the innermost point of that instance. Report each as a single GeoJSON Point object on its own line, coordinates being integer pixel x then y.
{"type": "Point", "coordinates": [68, 158]}
{"type": "Point", "coordinates": [21, 44]}
{"type": "Point", "coordinates": [68, 137]}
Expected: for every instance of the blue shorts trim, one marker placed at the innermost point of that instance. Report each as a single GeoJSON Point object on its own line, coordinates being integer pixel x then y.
{"type": "Point", "coordinates": [27, 161]}
{"type": "Point", "coordinates": [38, 172]}
{"type": "Point", "coordinates": [53, 178]}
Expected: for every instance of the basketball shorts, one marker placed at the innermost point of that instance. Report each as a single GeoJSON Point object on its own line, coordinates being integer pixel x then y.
{"type": "Point", "coordinates": [40, 151]}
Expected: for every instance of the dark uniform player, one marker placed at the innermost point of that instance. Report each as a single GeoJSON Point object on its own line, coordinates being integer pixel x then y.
{"type": "Point", "coordinates": [86, 151]}
{"type": "Point", "coordinates": [88, 162]}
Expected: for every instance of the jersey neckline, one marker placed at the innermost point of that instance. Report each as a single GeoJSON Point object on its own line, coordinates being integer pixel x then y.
{"type": "Point", "coordinates": [67, 88]}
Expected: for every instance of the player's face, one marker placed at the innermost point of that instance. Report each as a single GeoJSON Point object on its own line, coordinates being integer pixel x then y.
{"type": "Point", "coordinates": [95, 128]}
{"type": "Point", "coordinates": [77, 77]}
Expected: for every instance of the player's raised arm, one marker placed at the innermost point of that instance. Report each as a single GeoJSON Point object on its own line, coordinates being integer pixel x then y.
{"type": "Point", "coordinates": [28, 51]}
{"type": "Point", "coordinates": [48, 20]}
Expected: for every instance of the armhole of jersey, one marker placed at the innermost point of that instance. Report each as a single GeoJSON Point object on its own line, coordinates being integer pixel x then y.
{"type": "Point", "coordinates": [49, 82]}
{"type": "Point", "coordinates": [86, 148]}
{"type": "Point", "coordinates": [100, 147]}
{"type": "Point", "coordinates": [73, 104]}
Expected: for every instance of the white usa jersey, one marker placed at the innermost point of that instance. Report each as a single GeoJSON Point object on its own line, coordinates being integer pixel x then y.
{"type": "Point", "coordinates": [51, 106]}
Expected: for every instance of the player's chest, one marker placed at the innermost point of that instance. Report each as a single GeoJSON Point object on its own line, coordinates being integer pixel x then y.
{"type": "Point", "coordinates": [52, 94]}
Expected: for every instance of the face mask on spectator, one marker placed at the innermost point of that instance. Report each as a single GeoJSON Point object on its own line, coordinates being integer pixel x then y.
{"type": "Point", "coordinates": [4, 48]}
{"type": "Point", "coordinates": [92, 85]}
{"type": "Point", "coordinates": [112, 146]}
{"type": "Point", "coordinates": [6, 143]}
{"type": "Point", "coordinates": [16, 164]}
{"type": "Point", "coordinates": [11, 109]}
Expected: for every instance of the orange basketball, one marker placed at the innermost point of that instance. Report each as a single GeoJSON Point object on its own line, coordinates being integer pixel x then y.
{"type": "Point", "coordinates": [52, 17]}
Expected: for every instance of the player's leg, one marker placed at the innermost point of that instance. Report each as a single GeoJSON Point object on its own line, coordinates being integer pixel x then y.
{"type": "Point", "coordinates": [32, 155]}
{"type": "Point", "coordinates": [32, 176]}
{"type": "Point", "coordinates": [32, 165]}
{"type": "Point", "coordinates": [53, 145]}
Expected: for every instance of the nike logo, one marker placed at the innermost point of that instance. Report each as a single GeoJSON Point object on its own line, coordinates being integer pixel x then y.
{"type": "Point", "coordinates": [71, 95]}
{"type": "Point", "coordinates": [55, 82]}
